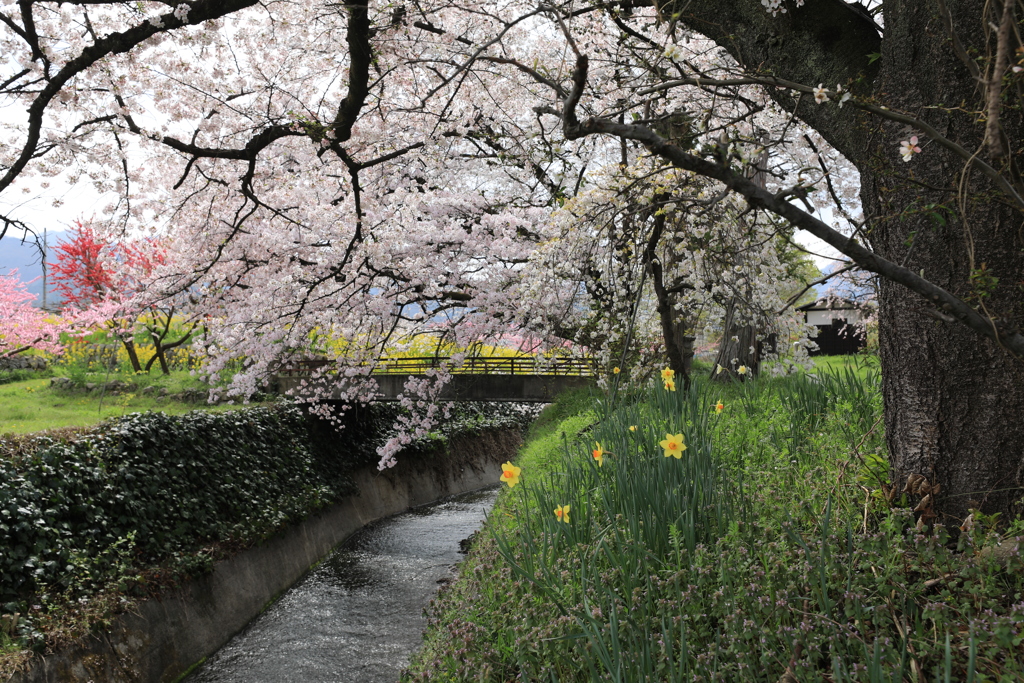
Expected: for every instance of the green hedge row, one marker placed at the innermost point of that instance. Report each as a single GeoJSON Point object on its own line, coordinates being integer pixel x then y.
{"type": "Point", "coordinates": [170, 483]}
{"type": "Point", "coordinates": [149, 487]}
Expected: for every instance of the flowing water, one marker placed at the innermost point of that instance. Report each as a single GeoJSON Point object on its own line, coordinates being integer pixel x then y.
{"type": "Point", "coordinates": [358, 616]}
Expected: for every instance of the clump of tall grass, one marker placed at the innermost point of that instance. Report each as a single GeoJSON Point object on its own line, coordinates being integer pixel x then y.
{"type": "Point", "coordinates": [766, 552]}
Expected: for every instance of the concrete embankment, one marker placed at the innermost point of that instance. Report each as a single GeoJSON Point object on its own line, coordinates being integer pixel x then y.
{"type": "Point", "coordinates": [162, 638]}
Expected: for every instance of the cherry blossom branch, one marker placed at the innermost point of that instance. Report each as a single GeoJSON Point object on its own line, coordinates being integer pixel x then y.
{"type": "Point", "coordinates": [1007, 337]}
{"type": "Point", "coordinates": [882, 112]}
{"type": "Point", "coordinates": [21, 32]}
{"type": "Point", "coordinates": [30, 35]}
{"type": "Point", "coordinates": [15, 77]}
{"type": "Point", "coordinates": [439, 31]}
{"type": "Point", "coordinates": [532, 73]}
{"type": "Point", "coordinates": [116, 43]}
{"type": "Point", "coordinates": [360, 56]}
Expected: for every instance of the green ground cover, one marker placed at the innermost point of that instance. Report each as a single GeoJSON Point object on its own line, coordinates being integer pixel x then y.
{"type": "Point", "coordinates": [865, 365]}
{"type": "Point", "coordinates": [32, 405]}
{"type": "Point", "coordinates": [768, 551]}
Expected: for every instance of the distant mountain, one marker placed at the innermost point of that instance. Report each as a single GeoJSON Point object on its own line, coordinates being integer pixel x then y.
{"type": "Point", "coordinates": [855, 286]}
{"type": "Point", "coordinates": [24, 256]}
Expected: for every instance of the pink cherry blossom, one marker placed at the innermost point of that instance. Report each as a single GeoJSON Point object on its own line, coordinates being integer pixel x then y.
{"type": "Point", "coordinates": [908, 148]}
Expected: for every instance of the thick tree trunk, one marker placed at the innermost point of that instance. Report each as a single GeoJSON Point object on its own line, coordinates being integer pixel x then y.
{"type": "Point", "coordinates": [954, 402]}
{"type": "Point", "coordinates": [678, 344]}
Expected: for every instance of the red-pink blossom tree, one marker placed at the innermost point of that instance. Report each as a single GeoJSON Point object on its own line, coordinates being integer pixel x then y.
{"type": "Point", "coordinates": [93, 274]}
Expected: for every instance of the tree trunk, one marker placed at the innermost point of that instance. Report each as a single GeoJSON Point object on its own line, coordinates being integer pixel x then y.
{"type": "Point", "coordinates": [158, 355]}
{"type": "Point", "coordinates": [133, 356]}
{"type": "Point", "coordinates": [739, 352]}
{"type": "Point", "coordinates": [678, 344]}
{"type": "Point", "coordinates": [954, 402]}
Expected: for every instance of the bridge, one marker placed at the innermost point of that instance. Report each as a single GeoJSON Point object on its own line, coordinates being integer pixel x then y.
{"type": "Point", "coordinates": [513, 379]}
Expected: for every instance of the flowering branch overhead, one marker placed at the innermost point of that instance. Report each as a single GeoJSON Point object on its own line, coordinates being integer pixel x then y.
{"type": "Point", "coordinates": [1010, 338]}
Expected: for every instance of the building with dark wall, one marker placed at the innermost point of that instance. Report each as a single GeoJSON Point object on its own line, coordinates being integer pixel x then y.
{"type": "Point", "coordinates": [838, 330]}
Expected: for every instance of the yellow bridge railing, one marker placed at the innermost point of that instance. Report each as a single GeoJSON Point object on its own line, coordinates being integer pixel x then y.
{"type": "Point", "coordinates": [472, 365]}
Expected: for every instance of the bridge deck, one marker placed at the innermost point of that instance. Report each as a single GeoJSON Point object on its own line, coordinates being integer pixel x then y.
{"type": "Point", "coordinates": [509, 379]}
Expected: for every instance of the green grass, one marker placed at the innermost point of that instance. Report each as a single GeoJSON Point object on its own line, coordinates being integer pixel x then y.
{"type": "Point", "coordinates": [768, 548]}
{"type": "Point", "coordinates": [474, 606]}
{"type": "Point", "coordinates": [32, 405]}
{"type": "Point", "coordinates": [859, 363]}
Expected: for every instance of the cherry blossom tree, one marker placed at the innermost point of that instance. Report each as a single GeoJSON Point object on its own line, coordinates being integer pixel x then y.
{"type": "Point", "coordinates": [943, 248]}
{"type": "Point", "coordinates": [22, 325]}
{"type": "Point", "coordinates": [339, 179]}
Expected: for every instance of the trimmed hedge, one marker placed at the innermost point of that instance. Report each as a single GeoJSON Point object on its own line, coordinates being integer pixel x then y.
{"type": "Point", "coordinates": [169, 483]}
{"type": "Point", "coordinates": [149, 488]}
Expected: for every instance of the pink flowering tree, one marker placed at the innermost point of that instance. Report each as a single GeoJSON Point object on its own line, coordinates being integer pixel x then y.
{"type": "Point", "coordinates": [24, 326]}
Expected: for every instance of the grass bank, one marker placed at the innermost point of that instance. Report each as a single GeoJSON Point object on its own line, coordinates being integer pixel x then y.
{"type": "Point", "coordinates": [32, 404]}
{"type": "Point", "coordinates": [766, 551]}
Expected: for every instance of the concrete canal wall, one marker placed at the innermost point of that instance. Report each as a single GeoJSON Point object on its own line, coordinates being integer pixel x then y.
{"type": "Point", "coordinates": [162, 638]}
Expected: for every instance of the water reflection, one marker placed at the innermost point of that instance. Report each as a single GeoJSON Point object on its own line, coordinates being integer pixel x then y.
{"type": "Point", "coordinates": [358, 616]}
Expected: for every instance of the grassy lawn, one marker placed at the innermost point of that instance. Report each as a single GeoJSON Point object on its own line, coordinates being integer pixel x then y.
{"type": "Point", "coordinates": [32, 405]}
{"type": "Point", "coordinates": [859, 363]}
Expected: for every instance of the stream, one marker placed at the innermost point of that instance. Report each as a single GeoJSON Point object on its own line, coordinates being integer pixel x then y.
{"type": "Point", "coordinates": [356, 617]}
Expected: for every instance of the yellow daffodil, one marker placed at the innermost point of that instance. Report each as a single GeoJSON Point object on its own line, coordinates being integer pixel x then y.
{"type": "Point", "coordinates": [673, 445]}
{"type": "Point", "coordinates": [632, 428]}
{"type": "Point", "coordinates": [562, 513]}
{"type": "Point", "coordinates": [742, 369]}
{"type": "Point", "coordinates": [668, 374]}
{"type": "Point", "coordinates": [719, 407]}
{"type": "Point", "coordinates": [510, 474]}
{"type": "Point", "coordinates": [599, 455]}
{"type": "Point", "coordinates": [616, 370]}
{"type": "Point", "coordinates": [670, 384]}
{"type": "Point", "coordinates": [718, 369]}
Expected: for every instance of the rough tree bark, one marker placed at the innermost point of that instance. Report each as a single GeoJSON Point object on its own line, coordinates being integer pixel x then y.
{"type": "Point", "coordinates": [954, 401]}
{"type": "Point", "coordinates": [740, 346]}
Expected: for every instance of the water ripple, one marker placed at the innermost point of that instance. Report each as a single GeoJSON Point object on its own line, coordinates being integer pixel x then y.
{"type": "Point", "coordinates": [358, 616]}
